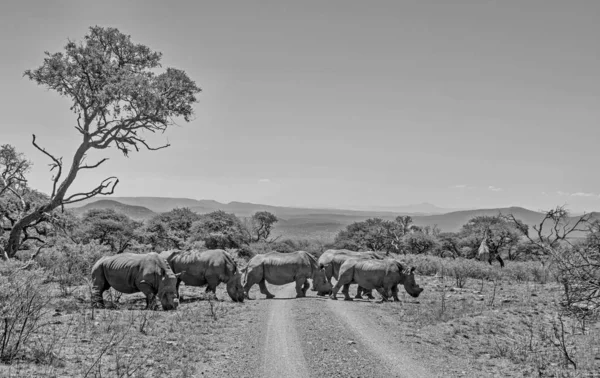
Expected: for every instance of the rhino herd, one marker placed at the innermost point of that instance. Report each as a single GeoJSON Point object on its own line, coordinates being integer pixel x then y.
{"type": "Point", "coordinates": [159, 275]}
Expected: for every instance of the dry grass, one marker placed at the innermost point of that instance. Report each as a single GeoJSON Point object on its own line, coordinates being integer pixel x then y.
{"type": "Point", "coordinates": [502, 327]}
{"type": "Point", "coordinates": [124, 340]}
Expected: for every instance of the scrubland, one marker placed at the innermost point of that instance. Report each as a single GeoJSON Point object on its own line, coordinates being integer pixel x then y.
{"type": "Point", "coordinates": [503, 322]}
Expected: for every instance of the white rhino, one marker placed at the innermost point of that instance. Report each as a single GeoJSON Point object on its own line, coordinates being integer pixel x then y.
{"type": "Point", "coordinates": [131, 273]}
{"type": "Point", "coordinates": [382, 275]}
{"type": "Point", "coordinates": [282, 268]}
{"type": "Point", "coordinates": [211, 267]}
{"type": "Point", "coordinates": [332, 259]}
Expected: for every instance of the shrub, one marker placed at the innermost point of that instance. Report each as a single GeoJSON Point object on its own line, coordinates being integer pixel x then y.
{"type": "Point", "coordinates": [22, 303]}
{"type": "Point", "coordinates": [70, 264]}
{"type": "Point", "coordinates": [461, 269]}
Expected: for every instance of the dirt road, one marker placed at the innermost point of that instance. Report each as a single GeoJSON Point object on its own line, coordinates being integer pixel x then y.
{"type": "Point", "coordinates": [316, 337]}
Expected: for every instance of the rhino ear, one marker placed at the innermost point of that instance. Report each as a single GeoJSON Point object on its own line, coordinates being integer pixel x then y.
{"type": "Point", "coordinates": [412, 269]}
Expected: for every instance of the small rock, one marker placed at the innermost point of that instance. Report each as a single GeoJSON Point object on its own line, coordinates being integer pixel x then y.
{"type": "Point", "coordinates": [174, 343]}
{"type": "Point", "coordinates": [350, 342]}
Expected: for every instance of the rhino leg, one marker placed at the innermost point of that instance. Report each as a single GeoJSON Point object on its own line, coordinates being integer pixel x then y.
{"type": "Point", "coordinates": [395, 293]}
{"type": "Point", "coordinates": [384, 294]}
{"type": "Point", "coordinates": [99, 286]}
{"type": "Point", "coordinates": [211, 287]}
{"type": "Point", "coordinates": [344, 279]}
{"type": "Point", "coordinates": [335, 290]}
{"type": "Point", "coordinates": [150, 295]}
{"type": "Point", "coordinates": [305, 286]}
{"type": "Point", "coordinates": [359, 292]}
{"type": "Point", "coordinates": [300, 282]}
{"type": "Point", "coordinates": [346, 293]}
{"type": "Point", "coordinates": [253, 276]}
{"type": "Point", "coordinates": [263, 289]}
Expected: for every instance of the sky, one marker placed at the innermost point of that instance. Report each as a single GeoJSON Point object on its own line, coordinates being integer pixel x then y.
{"type": "Point", "coordinates": [351, 104]}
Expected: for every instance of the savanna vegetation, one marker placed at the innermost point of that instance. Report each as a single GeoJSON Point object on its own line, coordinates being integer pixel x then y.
{"type": "Point", "coordinates": [116, 94]}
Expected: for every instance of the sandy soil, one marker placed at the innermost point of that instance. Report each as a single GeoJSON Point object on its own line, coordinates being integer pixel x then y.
{"type": "Point", "coordinates": [317, 337]}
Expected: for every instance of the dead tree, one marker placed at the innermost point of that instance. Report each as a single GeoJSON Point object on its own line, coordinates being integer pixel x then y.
{"type": "Point", "coordinates": [578, 264]}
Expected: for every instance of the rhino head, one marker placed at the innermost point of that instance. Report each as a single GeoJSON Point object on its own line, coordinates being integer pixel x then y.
{"type": "Point", "coordinates": [167, 290]}
{"type": "Point", "coordinates": [235, 288]}
{"type": "Point", "coordinates": [410, 285]}
{"type": "Point", "coordinates": [320, 283]}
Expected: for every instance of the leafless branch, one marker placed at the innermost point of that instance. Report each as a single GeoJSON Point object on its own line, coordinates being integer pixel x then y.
{"type": "Point", "coordinates": [57, 164]}
{"type": "Point", "coordinates": [108, 184]}
{"type": "Point", "coordinates": [94, 165]}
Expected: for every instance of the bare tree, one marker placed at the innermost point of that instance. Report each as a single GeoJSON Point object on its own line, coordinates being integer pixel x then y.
{"type": "Point", "coordinates": [117, 96]}
{"type": "Point", "coordinates": [553, 230]}
{"type": "Point", "coordinates": [578, 264]}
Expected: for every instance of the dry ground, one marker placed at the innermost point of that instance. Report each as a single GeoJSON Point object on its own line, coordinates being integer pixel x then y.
{"type": "Point", "coordinates": [483, 329]}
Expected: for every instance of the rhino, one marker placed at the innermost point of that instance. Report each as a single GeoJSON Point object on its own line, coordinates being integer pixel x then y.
{"type": "Point", "coordinates": [332, 259]}
{"type": "Point", "coordinates": [382, 275]}
{"type": "Point", "coordinates": [210, 268]}
{"type": "Point", "coordinates": [282, 268]}
{"type": "Point", "coordinates": [131, 273]}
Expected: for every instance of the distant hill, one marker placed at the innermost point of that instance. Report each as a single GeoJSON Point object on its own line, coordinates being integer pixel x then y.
{"type": "Point", "coordinates": [424, 208]}
{"type": "Point", "coordinates": [452, 222]}
{"type": "Point", "coordinates": [164, 204]}
{"type": "Point", "coordinates": [301, 222]}
{"type": "Point", "coordinates": [134, 212]}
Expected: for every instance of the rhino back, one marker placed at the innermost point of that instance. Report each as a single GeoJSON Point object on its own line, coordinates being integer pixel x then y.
{"type": "Point", "coordinates": [282, 268]}
{"type": "Point", "coordinates": [335, 258]}
{"type": "Point", "coordinates": [196, 267]}
{"type": "Point", "coordinates": [124, 272]}
{"type": "Point", "coordinates": [372, 274]}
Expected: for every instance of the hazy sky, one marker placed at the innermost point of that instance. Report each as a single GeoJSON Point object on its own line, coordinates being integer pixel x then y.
{"type": "Point", "coordinates": [339, 103]}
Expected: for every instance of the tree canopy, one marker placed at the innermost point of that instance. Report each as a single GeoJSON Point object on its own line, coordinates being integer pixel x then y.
{"type": "Point", "coordinates": [118, 93]}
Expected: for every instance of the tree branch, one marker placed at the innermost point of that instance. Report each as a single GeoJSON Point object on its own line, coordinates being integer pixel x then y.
{"type": "Point", "coordinates": [99, 190]}
{"type": "Point", "coordinates": [57, 164]}
{"type": "Point", "coordinates": [93, 166]}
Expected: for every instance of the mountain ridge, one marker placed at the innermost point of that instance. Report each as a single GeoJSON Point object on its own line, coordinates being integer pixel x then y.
{"type": "Point", "coordinates": [305, 222]}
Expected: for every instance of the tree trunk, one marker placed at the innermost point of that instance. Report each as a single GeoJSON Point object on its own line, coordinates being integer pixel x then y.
{"type": "Point", "coordinates": [14, 240]}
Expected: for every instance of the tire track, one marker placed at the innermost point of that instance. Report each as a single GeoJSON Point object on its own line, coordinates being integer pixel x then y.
{"type": "Point", "coordinates": [386, 348]}
{"type": "Point", "coordinates": [282, 352]}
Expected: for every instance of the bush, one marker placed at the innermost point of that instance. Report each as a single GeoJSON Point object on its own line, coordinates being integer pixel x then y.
{"type": "Point", "coordinates": [70, 264]}
{"type": "Point", "coordinates": [22, 302]}
{"type": "Point", "coordinates": [461, 269]}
